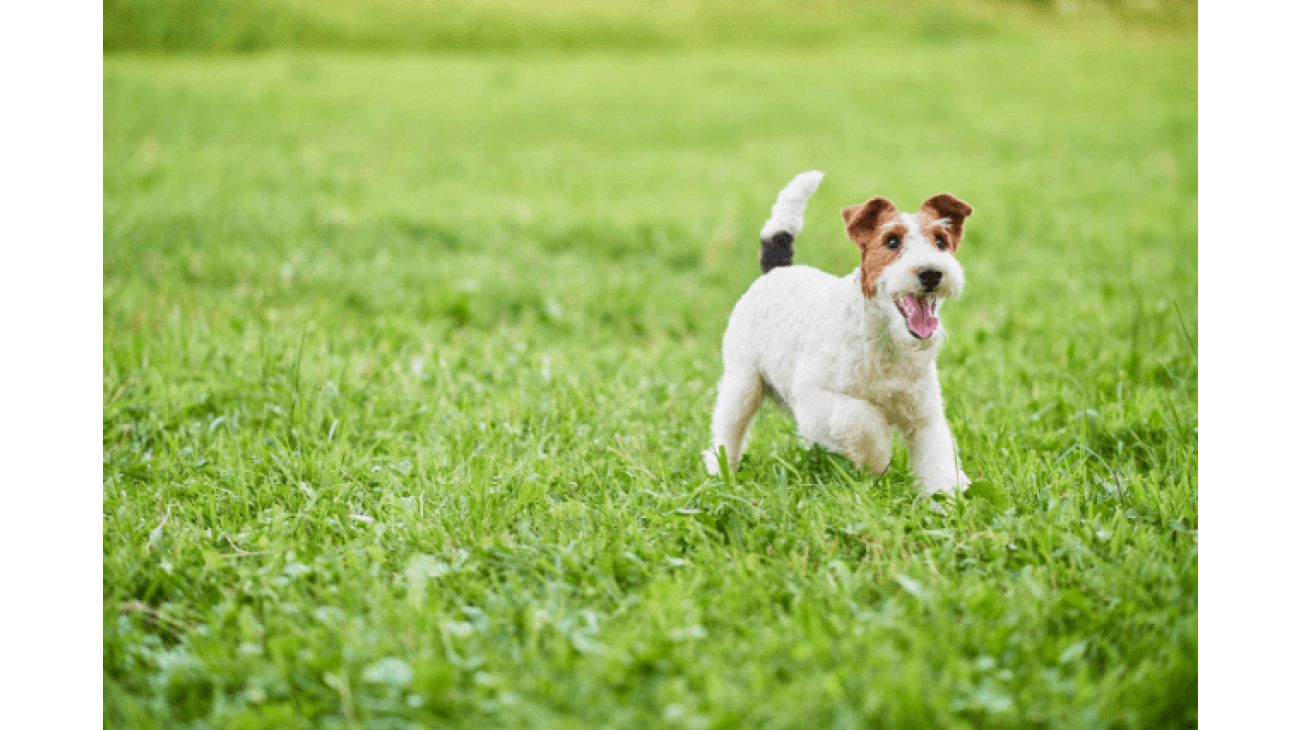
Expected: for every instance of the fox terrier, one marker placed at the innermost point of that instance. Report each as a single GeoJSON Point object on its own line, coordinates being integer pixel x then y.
{"type": "Point", "coordinates": [850, 357]}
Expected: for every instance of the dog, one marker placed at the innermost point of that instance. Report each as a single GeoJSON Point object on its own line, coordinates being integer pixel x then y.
{"type": "Point", "coordinates": [853, 357]}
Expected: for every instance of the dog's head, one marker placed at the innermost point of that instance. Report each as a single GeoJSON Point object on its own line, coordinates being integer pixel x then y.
{"type": "Point", "coordinates": [908, 262]}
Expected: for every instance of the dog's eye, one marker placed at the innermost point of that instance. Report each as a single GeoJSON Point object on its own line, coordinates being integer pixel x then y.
{"type": "Point", "coordinates": [893, 242]}
{"type": "Point", "coordinates": [942, 244]}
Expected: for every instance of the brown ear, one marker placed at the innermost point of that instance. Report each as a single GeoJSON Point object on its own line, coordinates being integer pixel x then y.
{"type": "Point", "coordinates": [954, 210]}
{"type": "Point", "coordinates": [861, 219]}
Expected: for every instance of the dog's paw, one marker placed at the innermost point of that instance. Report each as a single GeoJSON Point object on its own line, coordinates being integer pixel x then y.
{"type": "Point", "coordinates": [862, 463]}
{"type": "Point", "coordinates": [938, 502]}
{"type": "Point", "coordinates": [711, 462]}
{"type": "Point", "coordinates": [948, 486]}
{"type": "Point", "coordinates": [939, 496]}
{"type": "Point", "coordinates": [876, 471]}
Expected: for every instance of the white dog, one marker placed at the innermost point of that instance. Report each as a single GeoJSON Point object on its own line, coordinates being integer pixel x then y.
{"type": "Point", "coordinates": [851, 357]}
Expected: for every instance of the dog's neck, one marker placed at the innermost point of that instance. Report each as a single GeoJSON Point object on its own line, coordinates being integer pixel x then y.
{"type": "Point", "coordinates": [875, 328]}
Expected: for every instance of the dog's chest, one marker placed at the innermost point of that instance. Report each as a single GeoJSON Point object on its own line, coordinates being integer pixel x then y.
{"type": "Point", "coordinates": [892, 386]}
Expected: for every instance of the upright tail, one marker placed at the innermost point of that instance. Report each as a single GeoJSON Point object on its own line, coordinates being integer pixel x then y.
{"type": "Point", "coordinates": [786, 221]}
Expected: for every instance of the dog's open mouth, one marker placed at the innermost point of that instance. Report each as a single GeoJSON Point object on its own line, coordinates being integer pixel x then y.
{"type": "Point", "coordinates": [921, 312]}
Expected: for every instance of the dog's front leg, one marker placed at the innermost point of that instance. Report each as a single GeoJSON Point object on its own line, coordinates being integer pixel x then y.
{"type": "Point", "coordinates": [934, 456]}
{"type": "Point", "coordinates": [847, 425]}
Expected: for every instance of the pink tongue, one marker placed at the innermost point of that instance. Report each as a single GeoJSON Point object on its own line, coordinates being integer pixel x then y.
{"type": "Point", "coordinates": [921, 319]}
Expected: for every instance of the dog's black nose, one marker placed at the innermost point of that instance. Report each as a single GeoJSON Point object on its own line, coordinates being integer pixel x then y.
{"type": "Point", "coordinates": [930, 278]}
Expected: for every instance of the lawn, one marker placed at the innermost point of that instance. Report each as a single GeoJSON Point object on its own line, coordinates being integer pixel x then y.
{"type": "Point", "coordinates": [409, 358]}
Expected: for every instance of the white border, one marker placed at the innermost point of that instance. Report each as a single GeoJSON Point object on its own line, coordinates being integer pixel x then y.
{"type": "Point", "coordinates": [1249, 364]}
{"type": "Point", "coordinates": [51, 293]}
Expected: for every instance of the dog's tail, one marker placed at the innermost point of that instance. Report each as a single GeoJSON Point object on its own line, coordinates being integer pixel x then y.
{"type": "Point", "coordinates": [786, 221]}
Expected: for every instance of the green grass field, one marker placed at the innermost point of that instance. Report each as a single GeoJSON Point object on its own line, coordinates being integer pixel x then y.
{"type": "Point", "coordinates": [409, 358]}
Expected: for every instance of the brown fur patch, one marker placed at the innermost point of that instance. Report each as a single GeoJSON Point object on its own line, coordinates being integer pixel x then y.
{"type": "Point", "coordinates": [869, 224]}
{"type": "Point", "coordinates": [939, 207]}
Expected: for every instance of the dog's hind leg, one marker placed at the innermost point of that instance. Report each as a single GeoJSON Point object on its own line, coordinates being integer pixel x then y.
{"type": "Point", "coordinates": [739, 396]}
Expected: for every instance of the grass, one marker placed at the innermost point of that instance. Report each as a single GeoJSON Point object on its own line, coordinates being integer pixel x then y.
{"type": "Point", "coordinates": [408, 361]}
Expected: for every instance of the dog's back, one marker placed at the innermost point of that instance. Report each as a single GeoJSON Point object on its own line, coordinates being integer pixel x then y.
{"type": "Point", "coordinates": [777, 306]}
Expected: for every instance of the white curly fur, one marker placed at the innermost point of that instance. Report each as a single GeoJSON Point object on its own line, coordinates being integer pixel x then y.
{"type": "Point", "coordinates": [787, 211]}
{"type": "Point", "coordinates": [846, 366]}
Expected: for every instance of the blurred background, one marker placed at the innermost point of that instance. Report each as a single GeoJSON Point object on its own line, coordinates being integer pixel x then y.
{"type": "Point", "coordinates": [507, 26]}
{"type": "Point", "coordinates": [449, 141]}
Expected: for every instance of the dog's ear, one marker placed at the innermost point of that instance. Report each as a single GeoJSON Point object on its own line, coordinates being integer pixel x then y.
{"type": "Point", "coordinates": [948, 207]}
{"type": "Point", "coordinates": [861, 219]}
